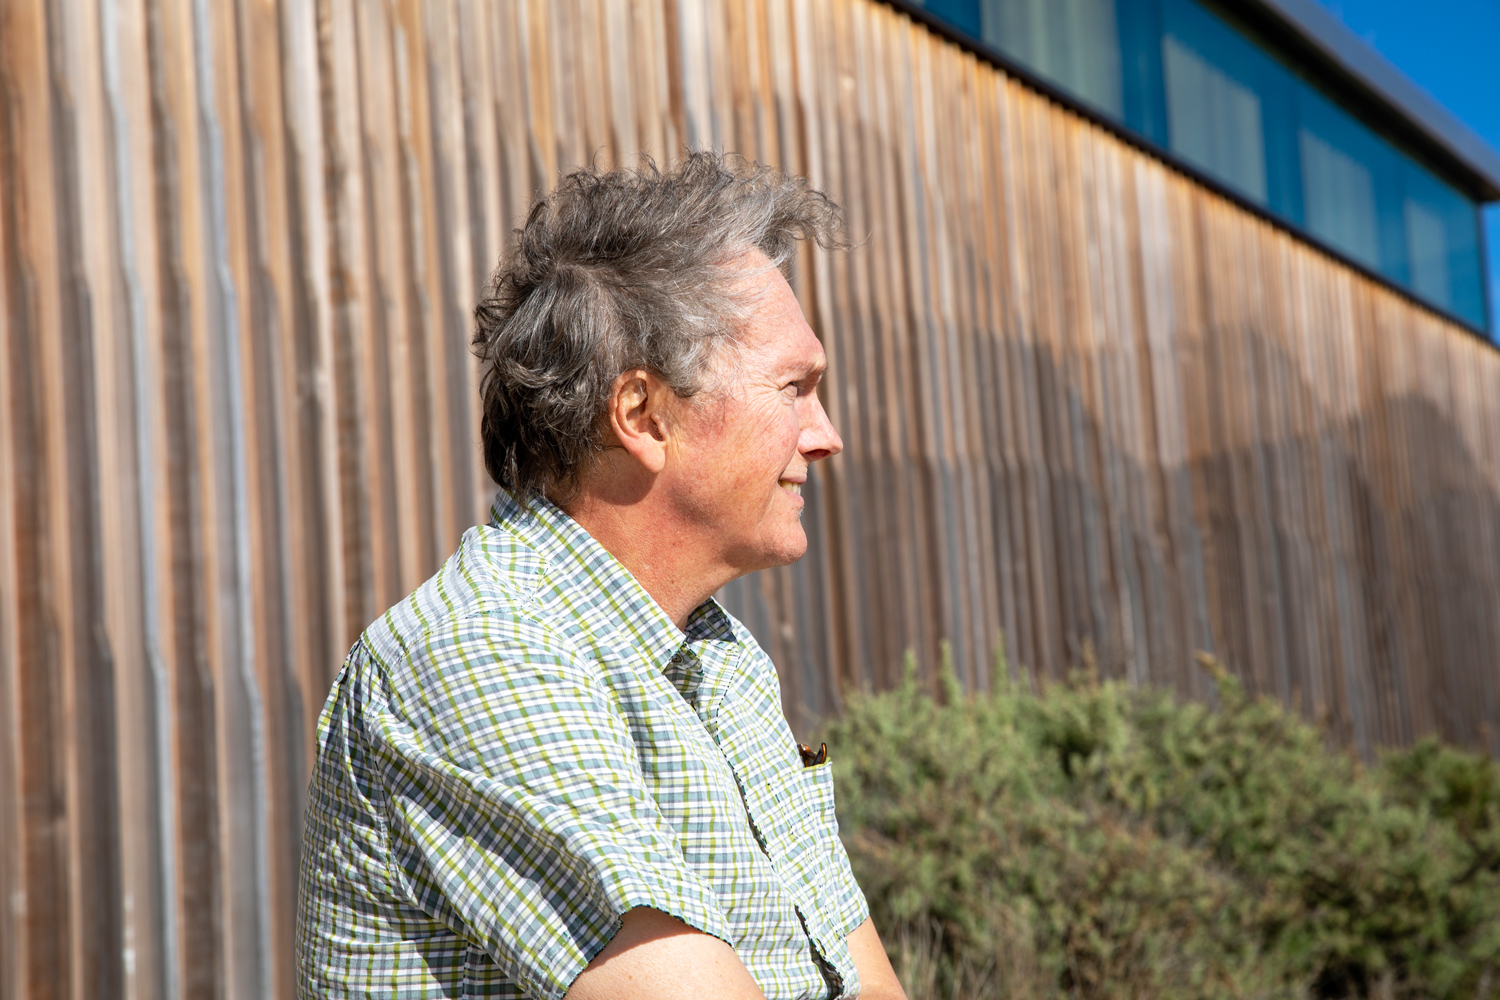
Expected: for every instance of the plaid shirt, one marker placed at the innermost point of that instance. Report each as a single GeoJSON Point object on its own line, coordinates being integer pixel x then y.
{"type": "Point", "coordinates": [527, 747]}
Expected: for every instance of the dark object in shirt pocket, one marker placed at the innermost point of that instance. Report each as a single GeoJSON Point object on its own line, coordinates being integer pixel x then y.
{"type": "Point", "coordinates": [811, 758]}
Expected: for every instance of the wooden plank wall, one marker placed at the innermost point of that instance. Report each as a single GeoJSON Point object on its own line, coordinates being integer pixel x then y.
{"type": "Point", "coordinates": [1084, 399]}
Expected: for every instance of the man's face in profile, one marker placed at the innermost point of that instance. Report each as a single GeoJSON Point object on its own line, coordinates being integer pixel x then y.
{"type": "Point", "coordinates": [741, 459]}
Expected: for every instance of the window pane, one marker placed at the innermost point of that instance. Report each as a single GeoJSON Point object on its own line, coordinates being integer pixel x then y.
{"type": "Point", "coordinates": [1351, 188]}
{"type": "Point", "coordinates": [962, 14]}
{"type": "Point", "coordinates": [1140, 68]}
{"type": "Point", "coordinates": [1215, 121]}
{"type": "Point", "coordinates": [1224, 98]}
{"type": "Point", "coordinates": [1442, 246]}
{"type": "Point", "coordinates": [1339, 200]}
{"type": "Point", "coordinates": [1073, 43]}
{"type": "Point", "coordinates": [1427, 252]}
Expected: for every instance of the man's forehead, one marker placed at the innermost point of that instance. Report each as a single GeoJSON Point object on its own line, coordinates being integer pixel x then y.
{"type": "Point", "coordinates": [785, 349]}
{"type": "Point", "coordinates": [777, 334]}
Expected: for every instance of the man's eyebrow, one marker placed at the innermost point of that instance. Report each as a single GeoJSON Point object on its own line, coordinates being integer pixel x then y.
{"type": "Point", "coordinates": [816, 370]}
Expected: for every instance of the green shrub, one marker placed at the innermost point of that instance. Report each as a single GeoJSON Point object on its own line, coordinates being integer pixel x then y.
{"type": "Point", "coordinates": [1091, 840]}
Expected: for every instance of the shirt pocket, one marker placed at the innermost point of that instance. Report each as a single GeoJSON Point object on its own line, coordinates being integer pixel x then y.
{"type": "Point", "coordinates": [796, 816]}
{"type": "Point", "coordinates": [818, 789]}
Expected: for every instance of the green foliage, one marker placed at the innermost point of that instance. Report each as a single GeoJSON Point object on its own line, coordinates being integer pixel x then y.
{"type": "Point", "coordinates": [1091, 840]}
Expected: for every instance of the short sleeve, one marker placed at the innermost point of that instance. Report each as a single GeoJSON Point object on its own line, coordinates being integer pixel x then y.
{"type": "Point", "coordinates": [518, 813]}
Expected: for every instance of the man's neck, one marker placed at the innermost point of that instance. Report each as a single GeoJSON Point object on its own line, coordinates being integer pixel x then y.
{"type": "Point", "coordinates": [669, 559]}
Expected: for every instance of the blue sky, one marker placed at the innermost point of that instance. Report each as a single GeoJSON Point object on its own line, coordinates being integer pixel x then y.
{"type": "Point", "coordinates": [1450, 48]}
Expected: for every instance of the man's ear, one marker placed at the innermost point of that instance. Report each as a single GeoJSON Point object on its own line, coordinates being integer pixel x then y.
{"type": "Point", "coordinates": [638, 415]}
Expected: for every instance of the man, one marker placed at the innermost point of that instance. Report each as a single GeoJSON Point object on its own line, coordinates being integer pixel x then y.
{"type": "Point", "coordinates": [559, 768]}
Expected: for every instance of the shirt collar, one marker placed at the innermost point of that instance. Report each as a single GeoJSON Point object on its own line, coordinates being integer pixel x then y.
{"type": "Point", "coordinates": [604, 588]}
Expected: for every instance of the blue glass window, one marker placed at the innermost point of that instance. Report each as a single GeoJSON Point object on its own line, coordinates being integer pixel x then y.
{"type": "Point", "coordinates": [1180, 75]}
{"type": "Point", "coordinates": [1074, 43]}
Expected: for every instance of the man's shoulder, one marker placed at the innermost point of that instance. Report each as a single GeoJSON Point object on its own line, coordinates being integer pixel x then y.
{"type": "Point", "coordinates": [492, 588]}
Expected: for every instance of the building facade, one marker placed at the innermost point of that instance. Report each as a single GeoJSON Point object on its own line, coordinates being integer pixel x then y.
{"type": "Point", "coordinates": [1105, 384]}
{"type": "Point", "coordinates": [1275, 104]}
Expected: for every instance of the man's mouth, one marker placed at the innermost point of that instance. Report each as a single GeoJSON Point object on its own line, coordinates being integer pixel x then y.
{"type": "Point", "coordinates": [787, 484]}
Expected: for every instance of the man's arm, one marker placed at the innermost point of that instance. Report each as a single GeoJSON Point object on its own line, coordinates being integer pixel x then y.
{"type": "Point", "coordinates": [877, 980]}
{"type": "Point", "coordinates": [658, 957]}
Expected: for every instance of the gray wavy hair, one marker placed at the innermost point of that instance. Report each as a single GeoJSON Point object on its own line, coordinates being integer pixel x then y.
{"type": "Point", "coordinates": [617, 271]}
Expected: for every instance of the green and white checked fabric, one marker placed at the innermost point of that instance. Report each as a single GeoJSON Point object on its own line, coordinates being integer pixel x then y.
{"type": "Point", "coordinates": [526, 748]}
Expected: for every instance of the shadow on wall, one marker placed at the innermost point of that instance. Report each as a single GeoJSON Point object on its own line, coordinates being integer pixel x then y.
{"type": "Point", "coordinates": [1350, 567]}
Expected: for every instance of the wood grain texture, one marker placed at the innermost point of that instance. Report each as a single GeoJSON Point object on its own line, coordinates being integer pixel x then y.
{"type": "Point", "coordinates": [1088, 405]}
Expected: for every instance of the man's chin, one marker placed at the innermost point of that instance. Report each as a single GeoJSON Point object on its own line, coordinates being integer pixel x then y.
{"type": "Point", "coordinates": [794, 549]}
{"type": "Point", "coordinates": [781, 552]}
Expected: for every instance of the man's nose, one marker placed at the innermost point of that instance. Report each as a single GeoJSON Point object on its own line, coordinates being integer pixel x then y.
{"type": "Point", "coordinates": [819, 438]}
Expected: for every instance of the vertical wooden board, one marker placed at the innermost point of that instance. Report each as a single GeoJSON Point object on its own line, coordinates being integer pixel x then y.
{"type": "Point", "coordinates": [1112, 411]}
{"type": "Point", "coordinates": [1162, 420]}
{"type": "Point", "coordinates": [587, 42]}
{"type": "Point", "coordinates": [336, 322]}
{"type": "Point", "coordinates": [991, 381]}
{"type": "Point", "coordinates": [1032, 642]}
{"type": "Point", "coordinates": [387, 224]}
{"type": "Point", "coordinates": [151, 868]}
{"type": "Point", "coordinates": [1284, 414]}
{"type": "Point", "coordinates": [1388, 481]}
{"type": "Point", "coordinates": [562, 59]}
{"type": "Point", "coordinates": [954, 610]}
{"type": "Point", "coordinates": [1474, 410]}
{"type": "Point", "coordinates": [486, 199]}
{"type": "Point", "coordinates": [937, 394]}
{"type": "Point", "coordinates": [1007, 410]}
{"type": "Point", "coordinates": [283, 485]}
{"type": "Point", "coordinates": [910, 368]}
{"type": "Point", "coordinates": [106, 645]}
{"type": "Point", "coordinates": [1440, 466]}
{"type": "Point", "coordinates": [853, 146]}
{"type": "Point", "coordinates": [690, 18]}
{"type": "Point", "coordinates": [805, 607]}
{"type": "Point", "coordinates": [1297, 487]}
{"type": "Point", "coordinates": [1063, 543]}
{"type": "Point", "coordinates": [222, 409]}
{"type": "Point", "coordinates": [762, 82]}
{"type": "Point", "coordinates": [14, 942]}
{"type": "Point", "coordinates": [1341, 369]}
{"type": "Point", "coordinates": [196, 586]}
{"type": "Point", "coordinates": [1149, 544]}
{"type": "Point", "coordinates": [844, 332]}
{"type": "Point", "coordinates": [818, 609]}
{"type": "Point", "coordinates": [646, 60]}
{"type": "Point", "coordinates": [313, 336]}
{"type": "Point", "coordinates": [535, 23]}
{"type": "Point", "coordinates": [1190, 317]}
{"type": "Point", "coordinates": [454, 219]}
{"type": "Point", "coordinates": [784, 130]}
{"type": "Point", "coordinates": [43, 612]}
{"type": "Point", "coordinates": [425, 361]}
{"type": "Point", "coordinates": [118, 943]}
{"type": "Point", "coordinates": [905, 267]}
{"type": "Point", "coordinates": [617, 60]}
{"type": "Point", "coordinates": [509, 119]}
{"type": "Point", "coordinates": [362, 518]}
{"type": "Point", "coordinates": [721, 73]}
{"type": "Point", "coordinates": [415, 371]}
{"type": "Point", "coordinates": [736, 43]}
{"type": "Point", "coordinates": [975, 566]}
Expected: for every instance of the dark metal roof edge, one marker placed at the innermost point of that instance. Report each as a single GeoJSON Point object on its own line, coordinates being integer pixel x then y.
{"type": "Point", "coordinates": [1170, 159]}
{"type": "Point", "coordinates": [1321, 29]}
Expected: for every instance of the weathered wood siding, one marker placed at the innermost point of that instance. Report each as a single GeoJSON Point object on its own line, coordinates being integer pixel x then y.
{"type": "Point", "coordinates": [1083, 398]}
